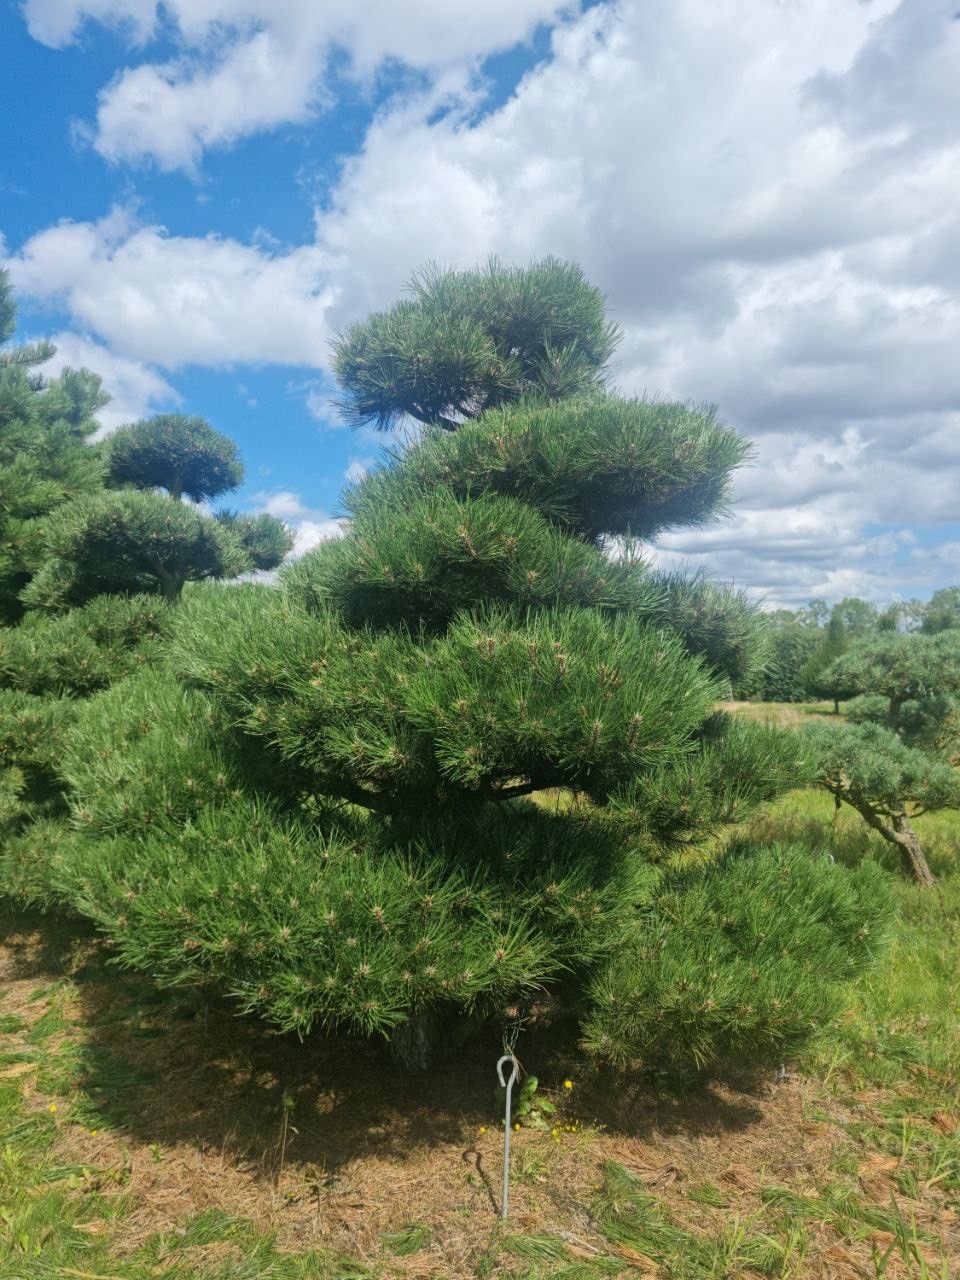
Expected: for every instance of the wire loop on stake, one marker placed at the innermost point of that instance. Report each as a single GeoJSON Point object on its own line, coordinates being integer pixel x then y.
{"type": "Point", "coordinates": [508, 1085]}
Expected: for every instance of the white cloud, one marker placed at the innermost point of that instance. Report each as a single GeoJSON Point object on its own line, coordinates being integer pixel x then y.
{"type": "Point", "coordinates": [766, 190]}
{"type": "Point", "coordinates": [174, 300]}
{"type": "Point", "coordinates": [248, 66]}
{"type": "Point", "coordinates": [357, 468]}
{"type": "Point", "coordinates": [134, 389]}
{"type": "Point", "coordinates": [309, 526]}
{"type": "Point", "coordinates": [56, 22]}
{"type": "Point", "coordinates": [308, 533]}
{"type": "Point", "coordinates": [318, 406]}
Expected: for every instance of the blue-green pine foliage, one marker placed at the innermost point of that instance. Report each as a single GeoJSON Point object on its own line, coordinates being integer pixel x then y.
{"type": "Point", "coordinates": [892, 759]}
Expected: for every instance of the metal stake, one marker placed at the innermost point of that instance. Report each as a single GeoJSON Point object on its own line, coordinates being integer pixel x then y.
{"type": "Point", "coordinates": [508, 1085]}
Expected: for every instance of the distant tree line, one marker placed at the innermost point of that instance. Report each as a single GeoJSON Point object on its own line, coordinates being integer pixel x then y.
{"type": "Point", "coordinates": [802, 643]}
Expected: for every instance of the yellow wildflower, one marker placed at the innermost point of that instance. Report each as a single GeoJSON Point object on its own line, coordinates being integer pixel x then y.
{"type": "Point", "coordinates": [52, 1107]}
{"type": "Point", "coordinates": [568, 1084]}
{"type": "Point", "coordinates": [482, 1129]}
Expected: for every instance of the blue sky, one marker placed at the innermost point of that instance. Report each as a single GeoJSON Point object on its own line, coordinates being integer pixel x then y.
{"type": "Point", "coordinates": [195, 196]}
{"type": "Point", "coordinates": [266, 189]}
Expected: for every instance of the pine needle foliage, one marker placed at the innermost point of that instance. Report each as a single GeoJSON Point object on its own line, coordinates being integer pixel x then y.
{"type": "Point", "coordinates": [559, 697]}
{"type": "Point", "coordinates": [593, 466]}
{"type": "Point", "coordinates": [894, 760]}
{"type": "Point", "coordinates": [888, 782]}
{"type": "Point", "coordinates": [185, 456]}
{"type": "Point", "coordinates": [47, 666]}
{"type": "Point", "coordinates": [45, 454]}
{"type": "Point", "coordinates": [466, 341]}
{"type": "Point", "coordinates": [728, 971]}
{"type": "Point", "coordinates": [316, 797]}
{"type": "Point", "coordinates": [908, 683]}
{"type": "Point", "coordinates": [83, 651]}
{"type": "Point", "coordinates": [131, 542]}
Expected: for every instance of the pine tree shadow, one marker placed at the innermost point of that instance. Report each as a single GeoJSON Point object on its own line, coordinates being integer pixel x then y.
{"type": "Point", "coordinates": [175, 1068]}
{"type": "Point", "coordinates": [38, 945]}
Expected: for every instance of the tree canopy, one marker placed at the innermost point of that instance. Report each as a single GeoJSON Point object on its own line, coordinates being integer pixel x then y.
{"type": "Point", "coordinates": [183, 455]}
{"type": "Point", "coordinates": [46, 456]}
{"type": "Point", "coordinates": [327, 797]}
{"type": "Point", "coordinates": [464, 342]}
{"type": "Point", "coordinates": [893, 759]}
{"type": "Point", "coordinates": [886, 781]}
{"type": "Point", "coordinates": [909, 683]}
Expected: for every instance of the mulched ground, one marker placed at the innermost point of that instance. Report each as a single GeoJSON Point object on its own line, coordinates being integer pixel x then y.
{"type": "Point", "coordinates": [194, 1102]}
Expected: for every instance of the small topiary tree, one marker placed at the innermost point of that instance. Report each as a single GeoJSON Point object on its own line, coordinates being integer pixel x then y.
{"type": "Point", "coordinates": [136, 539]}
{"type": "Point", "coordinates": [448, 766]}
{"type": "Point", "coordinates": [893, 761]}
{"type": "Point", "coordinates": [183, 455]}
{"type": "Point", "coordinates": [86, 554]}
{"type": "Point", "coordinates": [130, 543]}
{"type": "Point", "coordinates": [45, 453]}
{"type": "Point", "coordinates": [908, 683]}
{"type": "Point", "coordinates": [888, 783]}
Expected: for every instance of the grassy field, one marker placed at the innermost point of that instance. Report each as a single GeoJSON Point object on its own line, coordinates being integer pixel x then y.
{"type": "Point", "coordinates": [785, 714]}
{"type": "Point", "coordinates": [146, 1135]}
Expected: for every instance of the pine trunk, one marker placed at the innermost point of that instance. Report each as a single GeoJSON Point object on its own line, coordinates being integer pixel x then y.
{"type": "Point", "coordinates": [900, 833]}
{"type": "Point", "coordinates": [171, 587]}
{"type": "Point", "coordinates": [414, 1043]}
{"type": "Point", "coordinates": [907, 841]}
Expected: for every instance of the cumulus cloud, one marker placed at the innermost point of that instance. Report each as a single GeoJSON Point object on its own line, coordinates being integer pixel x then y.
{"type": "Point", "coordinates": [767, 191]}
{"type": "Point", "coordinates": [357, 468]}
{"type": "Point", "coordinates": [174, 300]}
{"type": "Point", "coordinates": [246, 66]}
{"type": "Point", "coordinates": [134, 389]}
{"type": "Point", "coordinates": [309, 525]}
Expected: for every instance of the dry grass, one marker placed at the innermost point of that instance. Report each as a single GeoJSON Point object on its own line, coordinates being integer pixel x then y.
{"type": "Point", "coordinates": [786, 715]}
{"type": "Point", "coordinates": [183, 1110]}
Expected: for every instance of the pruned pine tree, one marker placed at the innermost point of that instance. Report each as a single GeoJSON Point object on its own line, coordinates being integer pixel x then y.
{"type": "Point", "coordinates": [888, 783]}
{"type": "Point", "coordinates": [185, 456]}
{"type": "Point", "coordinates": [45, 453]}
{"type": "Point", "coordinates": [456, 761]}
{"type": "Point", "coordinates": [136, 539]}
{"type": "Point", "coordinates": [87, 554]}
{"type": "Point", "coordinates": [910, 684]}
{"type": "Point", "coordinates": [893, 761]}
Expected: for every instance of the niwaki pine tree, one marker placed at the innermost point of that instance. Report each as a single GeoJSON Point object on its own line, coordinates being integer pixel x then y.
{"type": "Point", "coordinates": [458, 761]}
{"type": "Point", "coordinates": [134, 539]}
{"type": "Point", "coordinates": [892, 761]}
{"type": "Point", "coordinates": [70, 541]}
{"type": "Point", "coordinates": [46, 456]}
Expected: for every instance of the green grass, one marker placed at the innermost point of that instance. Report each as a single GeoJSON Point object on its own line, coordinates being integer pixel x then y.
{"type": "Point", "coordinates": [904, 1016]}
{"type": "Point", "coordinates": [786, 714]}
